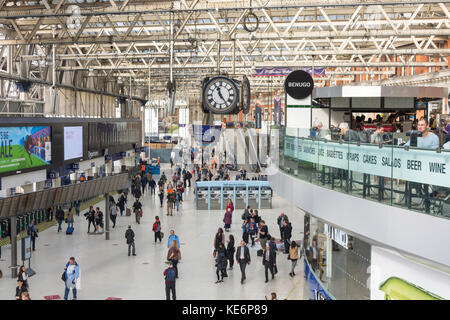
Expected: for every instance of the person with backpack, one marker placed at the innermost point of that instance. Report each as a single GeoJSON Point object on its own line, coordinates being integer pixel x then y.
{"type": "Point", "coordinates": [90, 217]}
{"type": "Point", "coordinates": [171, 198]}
{"type": "Point", "coordinates": [230, 251]}
{"type": "Point", "coordinates": [137, 209]}
{"type": "Point", "coordinates": [59, 215]}
{"type": "Point", "coordinates": [71, 276]}
{"type": "Point", "coordinates": [174, 255]}
{"type": "Point", "coordinates": [221, 263]}
{"type": "Point", "coordinates": [252, 229]}
{"type": "Point", "coordinates": [129, 235]}
{"type": "Point", "coordinates": [170, 279]}
{"type": "Point", "coordinates": [113, 214]}
{"type": "Point", "coordinates": [157, 229]}
{"type": "Point", "coordinates": [32, 231]}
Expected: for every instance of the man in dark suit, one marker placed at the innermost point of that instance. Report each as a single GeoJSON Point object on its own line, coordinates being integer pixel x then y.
{"type": "Point", "coordinates": [286, 235]}
{"type": "Point", "coordinates": [243, 258]}
{"type": "Point", "coordinates": [268, 262]}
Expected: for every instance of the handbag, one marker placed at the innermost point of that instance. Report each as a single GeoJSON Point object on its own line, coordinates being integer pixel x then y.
{"type": "Point", "coordinates": [275, 269]}
{"type": "Point", "coordinates": [140, 213]}
{"type": "Point", "coordinates": [162, 234]}
{"type": "Point", "coordinates": [63, 277]}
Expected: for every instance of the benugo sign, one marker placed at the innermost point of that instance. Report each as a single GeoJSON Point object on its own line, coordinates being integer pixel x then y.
{"type": "Point", "coordinates": [422, 166]}
{"type": "Point", "coordinates": [299, 84]}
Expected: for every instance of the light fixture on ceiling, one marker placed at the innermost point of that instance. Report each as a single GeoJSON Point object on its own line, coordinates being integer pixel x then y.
{"type": "Point", "coordinates": [91, 73]}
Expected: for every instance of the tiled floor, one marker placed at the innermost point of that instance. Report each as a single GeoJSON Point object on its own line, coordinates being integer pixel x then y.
{"type": "Point", "coordinates": [107, 271]}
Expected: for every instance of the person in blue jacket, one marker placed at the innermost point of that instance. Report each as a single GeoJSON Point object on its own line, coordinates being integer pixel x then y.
{"type": "Point", "coordinates": [172, 237]}
{"type": "Point", "coordinates": [72, 274]}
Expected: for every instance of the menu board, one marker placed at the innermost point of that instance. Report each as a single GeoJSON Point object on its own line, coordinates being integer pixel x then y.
{"type": "Point", "coordinates": [46, 195]}
{"type": "Point", "coordinates": [13, 206]}
{"type": "Point", "coordinates": [37, 201]}
{"type": "Point", "coordinates": [30, 201]}
{"type": "Point", "coordinates": [5, 207]}
{"type": "Point", "coordinates": [64, 192]}
{"type": "Point", "coordinates": [76, 192]}
{"type": "Point", "coordinates": [22, 203]}
{"type": "Point", "coordinates": [57, 197]}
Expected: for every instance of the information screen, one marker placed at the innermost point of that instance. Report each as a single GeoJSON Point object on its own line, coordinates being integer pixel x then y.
{"type": "Point", "coordinates": [22, 204]}
{"type": "Point", "coordinates": [57, 198]}
{"type": "Point", "coordinates": [30, 201]}
{"type": "Point", "coordinates": [13, 207]}
{"type": "Point", "coordinates": [24, 147]}
{"type": "Point", "coordinates": [73, 142]}
{"type": "Point", "coordinates": [44, 197]}
{"type": "Point", "coordinates": [37, 201]}
{"type": "Point", "coordinates": [5, 207]}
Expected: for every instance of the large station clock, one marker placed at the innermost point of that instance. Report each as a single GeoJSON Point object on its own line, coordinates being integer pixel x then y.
{"type": "Point", "coordinates": [245, 103]}
{"type": "Point", "coordinates": [220, 95]}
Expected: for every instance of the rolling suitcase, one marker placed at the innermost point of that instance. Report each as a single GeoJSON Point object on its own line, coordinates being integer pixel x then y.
{"type": "Point", "coordinates": [69, 230]}
{"type": "Point", "coordinates": [128, 212]}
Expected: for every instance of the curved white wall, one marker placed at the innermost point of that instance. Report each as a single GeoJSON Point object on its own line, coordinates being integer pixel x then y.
{"type": "Point", "coordinates": [416, 233]}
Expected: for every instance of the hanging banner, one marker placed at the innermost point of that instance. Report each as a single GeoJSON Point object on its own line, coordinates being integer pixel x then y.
{"type": "Point", "coordinates": [258, 117]}
{"type": "Point", "coordinates": [416, 165]}
{"type": "Point", "coordinates": [273, 72]}
{"type": "Point", "coordinates": [24, 147]}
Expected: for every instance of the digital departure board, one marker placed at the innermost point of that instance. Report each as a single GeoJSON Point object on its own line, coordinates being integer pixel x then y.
{"type": "Point", "coordinates": [88, 187]}
{"type": "Point", "coordinates": [37, 201]}
{"type": "Point", "coordinates": [103, 184]}
{"type": "Point", "coordinates": [76, 192]}
{"type": "Point", "coordinates": [64, 193]}
{"type": "Point", "coordinates": [45, 197]}
{"type": "Point", "coordinates": [1, 206]}
{"type": "Point", "coordinates": [93, 192]}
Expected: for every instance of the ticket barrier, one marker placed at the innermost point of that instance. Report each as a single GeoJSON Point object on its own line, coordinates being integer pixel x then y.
{"type": "Point", "coordinates": [202, 198]}
{"type": "Point", "coordinates": [253, 194]}
{"type": "Point", "coordinates": [266, 197]}
{"type": "Point", "coordinates": [214, 198]}
{"type": "Point", "coordinates": [228, 193]}
{"type": "Point", "coordinates": [5, 228]}
{"type": "Point", "coordinates": [241, 198]}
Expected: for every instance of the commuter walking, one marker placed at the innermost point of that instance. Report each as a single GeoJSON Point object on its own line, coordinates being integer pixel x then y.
{"type": "Point", "coordinates": [221, 263]}
{"type": "Point", "coordinates": [70, 219]}
{"type": "Point", "coordinates": [280, 223]}
{"type": "Point", "coordinates": [268, 262]}
{"type": "Point", "coordinates": [90, 217]}
{"type": "Point", "coordinates": [113, 214]}
{"type": "Point", "coordinates": [243, 258]}
{"type": "Point", "coordinates": [174, 256]}
{"type": "Point", "coordinates": [244, 231]}
{"type": "Point", "coordinates": [32, 231]}
{"type": "Point", "coordinates": [219, 238]}
{"type": "Point", "coordinates": [293, 256]}
{"type": "Point", "coordinates": [152, 185]}
{"type": "Point", "coordinates": [76, 205]}
{"type": "Point", "coordinates": [273, 247]}
{"type": "Point", "coordinates": [71, 278]}
{"type": "Point", "coordinates": [246, 214]}
{"type": "Point", "coordinates": [161, 196]}
{"type": "Point", "coordinates": [172, 237]}
{"type": "Point", "coordinates": [129, 235]}
{"type": "Point", "coordinates": [252, 230]}
{"type": "Point", "coordinates": [287, 234]}
{"type": "Point", "coordinates": [170, 279]}
{"type": "Point", "coordinates": [170, 201]}
{"type": "Point", "coordinates": [22, 276]}
{"type": "Point", "coordinates": [230, 251]}
{"type": "Point", "coordinates": [227, 219]}
{"type": "Point", "coordinates": [143, 183]}
{"type": "Point", "coordinates": [263, 232]}
{"type": "Point", "coordinates": [59, 215]}
{"type": "Point", "coordinates": [98, 219]}
{"type": "Point", "coordinates": [157, 229]}
{"type": "Point", "coordinates": [137, 209]}
{"type": "Point", "coordinates": [121, 203]}
{"type": "Point", "coordinates": [20, 289]}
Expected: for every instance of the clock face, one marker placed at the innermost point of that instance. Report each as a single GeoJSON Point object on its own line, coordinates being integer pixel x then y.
{"type": "Point", "coordinates": [220, 95]}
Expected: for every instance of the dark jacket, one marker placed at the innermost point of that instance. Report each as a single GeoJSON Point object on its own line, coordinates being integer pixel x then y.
{"type": "Point", "coordinates": [273, 246]}
{"type": "Point", "coordinates": [230, 250]}
{"type": "Point", "coordinates": [137, 206]}
{"type": "Point", "coordinates": [129, 235]}
{"type": "Point", "coordinates": [121, 203]}
{"type": "Point", "coordinates": [264, 229]}
{"type": "Point", "coordinates": [90, 215]}
{"type": "Point", "coordinates": [271, 260]}
{"type": "Point", "coordinates": [221, 260]}
{"type": "Point", "coordinates": [246, 254]}
{"type": "Point", "coordinates": [279, 220]}
{"type": "Point", "coordinates": [59, 215]}
{"type": "Point", "coordinates": [287, 231]}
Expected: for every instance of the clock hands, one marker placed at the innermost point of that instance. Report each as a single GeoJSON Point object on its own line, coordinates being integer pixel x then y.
{"type": "Point", "coordinates": [220, 94]}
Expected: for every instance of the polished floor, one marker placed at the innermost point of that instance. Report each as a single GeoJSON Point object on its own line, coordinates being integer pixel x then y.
{"type": "Point", "coordinates": [107, 271]}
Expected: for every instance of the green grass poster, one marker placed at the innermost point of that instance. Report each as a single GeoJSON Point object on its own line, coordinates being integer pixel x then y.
{"type": "Point", "coordinates": [24, 147]}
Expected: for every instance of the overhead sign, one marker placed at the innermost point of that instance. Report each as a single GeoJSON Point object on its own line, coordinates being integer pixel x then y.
{"type": "Point", "coordinates": [416, 165]}
{"type": "Point", "coordinates": [283, 71]}
{"type": "Point", "coordinates": [24, 147]}
{"type": "Point", "coordinates": [299, 84]}
{"type": "Point", "coordinates": [336, 234]}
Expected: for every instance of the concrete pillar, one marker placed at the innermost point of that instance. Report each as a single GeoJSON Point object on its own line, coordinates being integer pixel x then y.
{"type": "Point", "coordinates": [329, 257]}
{"type": "Point", "coordinates": [14, 266]}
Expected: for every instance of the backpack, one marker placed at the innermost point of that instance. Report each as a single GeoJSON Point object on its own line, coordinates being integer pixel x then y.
{"type": "Point", "coordinates": [170, 276]}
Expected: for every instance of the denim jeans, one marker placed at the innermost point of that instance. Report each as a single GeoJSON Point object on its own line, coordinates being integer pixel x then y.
{"type": "Point", "coordinates": [59, 225]}
{"type": "Point", "coordinates": [66, 293]}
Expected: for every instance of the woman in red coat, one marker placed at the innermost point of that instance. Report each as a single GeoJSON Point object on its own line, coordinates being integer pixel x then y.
{"type": "Point", "coordinates": [230, 205]}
